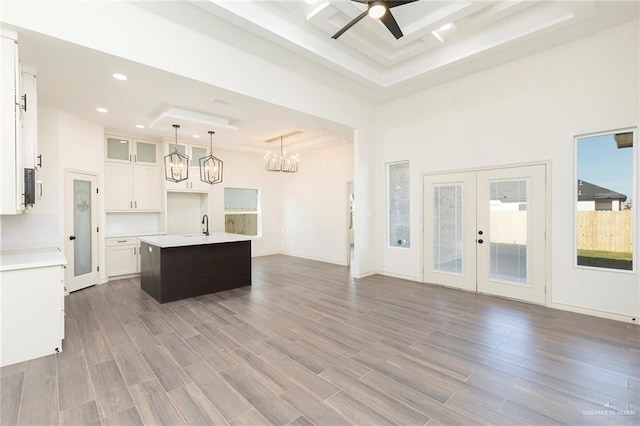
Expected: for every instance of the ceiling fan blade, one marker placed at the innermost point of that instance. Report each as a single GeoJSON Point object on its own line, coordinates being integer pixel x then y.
{"type": "Point", "coordinates": [396, 3]}
{"type": "Point", "coordinates": [390, 22]}
{"type": "Point", "coordinates": [362, 1]}
{"type": "Point", "coordinates": [350, 24]}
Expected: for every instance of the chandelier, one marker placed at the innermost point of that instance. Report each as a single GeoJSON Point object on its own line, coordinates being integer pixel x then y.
{"type": "Point", "coordinates": [176, 165]}
{"type": "Point", "coordinates": [210, 166]}
{"type": "Point", "coordinates": [281, 163]}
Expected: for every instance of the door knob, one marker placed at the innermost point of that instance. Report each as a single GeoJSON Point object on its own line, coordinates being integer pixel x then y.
{"type": "Point", "coordinates": [73, 237]}
{"type": "Point", "coordinates": [479, 232]}
{"type": "Point", "coordinates": [480, 241]}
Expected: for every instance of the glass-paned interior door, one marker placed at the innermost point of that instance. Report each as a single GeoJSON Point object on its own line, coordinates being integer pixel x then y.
{"type": "Point", "coordinates": [81, 229]}
{"type": "Point", "coordinates": [511, 232]}
{"type": "Point", "coordinates": [82, 254]}
{"type": "Point", "coordinates": [449, 228]}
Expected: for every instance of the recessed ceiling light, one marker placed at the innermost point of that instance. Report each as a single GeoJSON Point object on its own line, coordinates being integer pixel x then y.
{"type": "Point", "coordinates": [119, 76]}
{"type": "Point", "coordinates": [195, 136]}
{"type": "Point", "coordinates": [99, 109]}
{"type": "Point", "coordinates": [139, 126]}
{"type": "Point", "coordinates": [446, 27]}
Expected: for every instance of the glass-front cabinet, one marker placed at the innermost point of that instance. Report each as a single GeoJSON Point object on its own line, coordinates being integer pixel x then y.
{"type": "Point", "coordinates": [131, 151]}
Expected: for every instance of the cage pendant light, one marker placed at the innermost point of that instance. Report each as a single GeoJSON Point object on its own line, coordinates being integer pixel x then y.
{"type": "Point", "coordinates": [210, 166]}
{"type": "Point", "coordinates": [281, 163]}
{"type": "Point", "coordinates": [176, 165]}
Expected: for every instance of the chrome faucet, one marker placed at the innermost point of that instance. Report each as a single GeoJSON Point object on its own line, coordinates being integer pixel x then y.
{"type": "Point", "coordinates": [205, 222]}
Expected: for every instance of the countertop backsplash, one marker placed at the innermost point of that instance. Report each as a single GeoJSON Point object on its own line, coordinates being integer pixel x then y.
{"type": "Point", "coordinates": [129, 224]}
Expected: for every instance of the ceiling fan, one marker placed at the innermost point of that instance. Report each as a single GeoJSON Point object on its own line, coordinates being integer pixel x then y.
{"type": "Point", "coordinates": [378, 9]}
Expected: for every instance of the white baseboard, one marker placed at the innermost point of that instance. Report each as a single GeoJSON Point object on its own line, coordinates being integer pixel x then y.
{"type": "Point", "coordinates": [317, 259]}
{"type": "Point", "coordinates": [269, 253]}
{"type": "Point", "coordinates": [596, 313]}
{"type": "Point", "coordinates": [401, 276]}
{"type": "Point", "coordinates": [121, 277]}
{"type": "Point", "coordinates": [364, 274]}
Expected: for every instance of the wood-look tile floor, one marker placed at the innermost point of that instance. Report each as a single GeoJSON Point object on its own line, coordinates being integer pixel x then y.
{"type": "Point", "coordinates": [306, 344]}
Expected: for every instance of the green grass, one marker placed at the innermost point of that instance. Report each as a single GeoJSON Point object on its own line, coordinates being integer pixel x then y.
{"type": "Point", "coordinates": [606, 254]}
{"type": "Point", "coordinates": [605, 259]}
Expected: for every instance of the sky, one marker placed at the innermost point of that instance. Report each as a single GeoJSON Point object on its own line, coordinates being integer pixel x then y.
{"type": "Point", "coordinates": [601, 163]}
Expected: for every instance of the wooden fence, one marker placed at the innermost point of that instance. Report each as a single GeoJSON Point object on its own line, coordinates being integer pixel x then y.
{"type": "Point", "coordinates": [605, 230]}
{"type": "Point", "coordinates": [597, 230]}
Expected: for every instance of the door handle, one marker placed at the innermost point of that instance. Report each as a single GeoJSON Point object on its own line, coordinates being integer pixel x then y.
{"type": "Point", "coordinates": [73, 237]}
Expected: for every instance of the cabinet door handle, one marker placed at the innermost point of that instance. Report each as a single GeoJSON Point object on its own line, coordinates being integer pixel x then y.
{"type": "Point", "coordinates": [40, 160]}
{"type": "Point", "coordinates": [134, 250]}
{"type": "Point", "coordinates": [135, 158]}
{"type": "Point", "coordinates": [135, 204]}
{"type": "Point", "coordinates": [130, 204]}
{"type": "Point", "coordinates": [24, 105]}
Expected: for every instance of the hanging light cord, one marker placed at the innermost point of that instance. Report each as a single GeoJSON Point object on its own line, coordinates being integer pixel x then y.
{"type": "Point", "coordinates": [175, 146]}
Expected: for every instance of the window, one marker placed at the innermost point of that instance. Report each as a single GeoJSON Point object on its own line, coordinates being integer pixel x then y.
{"type": "Point", "coordinates": [242, 211]}
{"type": "Point", "coordinates": [398, 204]}
{"type": "Point", "coordinates": [604, 197]}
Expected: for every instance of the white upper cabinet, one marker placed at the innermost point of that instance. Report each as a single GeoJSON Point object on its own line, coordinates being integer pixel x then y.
{"type": "Point", "coordinates": [132, 175]}
{"type": "Point", "coordinates": [11, 167]}
{"type": "Point", "coordinates": [29, 101]}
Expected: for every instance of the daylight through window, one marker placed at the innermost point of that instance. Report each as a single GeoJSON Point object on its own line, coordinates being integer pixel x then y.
{"type": "Point", "coordinates": [605, 179]}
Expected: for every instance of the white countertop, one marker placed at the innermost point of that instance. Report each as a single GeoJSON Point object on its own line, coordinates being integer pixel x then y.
{"type": "Point", "coordinates": [25, 259]}
{"type": "Point", "coordinates": [164, 241]}
{"type": "Point", "coordinates": [132, 235]}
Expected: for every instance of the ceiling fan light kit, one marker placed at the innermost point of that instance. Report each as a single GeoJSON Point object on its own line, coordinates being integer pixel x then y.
{"type": "Point", "coordinates": [378, 9]}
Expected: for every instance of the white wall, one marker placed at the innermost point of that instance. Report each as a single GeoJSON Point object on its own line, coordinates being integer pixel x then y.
{"type": "Point", "coordinates": [66, 143]}
{"type": "Point", "coordinates": [127, 31]}
{"type": "Point", "coordinates": [81, 149]}
{"type": "Point", "coordinates": [528, 110]}
{"type": "Point", "coordinates": [185, 211]}
{"type": "Point", "coordinates": [243, 170]}
{"type": "Point", "coordinates": [315, 205]}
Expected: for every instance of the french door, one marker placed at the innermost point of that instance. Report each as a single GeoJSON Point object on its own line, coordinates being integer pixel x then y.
{"type": "Point", "coordinates": [81, 230]}
{"type": "Point", "coordinates": [485, 231]}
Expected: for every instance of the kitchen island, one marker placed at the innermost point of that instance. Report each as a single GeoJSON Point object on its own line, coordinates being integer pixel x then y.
{"type": "Point", "coordinates": [175, 267]}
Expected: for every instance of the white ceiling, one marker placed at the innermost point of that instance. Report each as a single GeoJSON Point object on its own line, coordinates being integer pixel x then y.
{"type": "Point", "coordinates": [367, 61]}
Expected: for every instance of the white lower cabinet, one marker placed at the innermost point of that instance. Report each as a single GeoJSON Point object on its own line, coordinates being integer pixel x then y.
{"type": "Point", "coordinates": [123, 257]}
{"type": "Point", "coordinates": [32, 313]}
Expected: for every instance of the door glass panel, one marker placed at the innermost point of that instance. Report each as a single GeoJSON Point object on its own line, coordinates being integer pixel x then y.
{"type": "Point", "coordinates": [197, 153]}
{"type": "Point", "coordinates": [82, 227]}
{"type": "Point", "coordinates": [447, 227]}
{"type": "Point", "coordinates": [508, 230]}
{"type": "Point", "coordinates": [117, 149]}
{"type": "Point", "coordinates": [145, 152]}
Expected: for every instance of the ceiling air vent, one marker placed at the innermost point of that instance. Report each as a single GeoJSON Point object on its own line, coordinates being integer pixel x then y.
{"type": "Point", "coordinates": [221, 101]}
